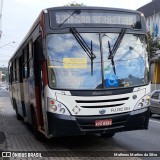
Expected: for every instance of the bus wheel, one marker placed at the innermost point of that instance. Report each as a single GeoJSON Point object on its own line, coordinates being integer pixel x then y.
{"type": "Point", "coordinates": [107, 135]}
{"type": "Point", "coordinates": [37, 134]}
{"type": "Point", "coordinates": [17, 114]}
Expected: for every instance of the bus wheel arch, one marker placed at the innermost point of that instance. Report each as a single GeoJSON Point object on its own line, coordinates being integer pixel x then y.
{"type": "Point", "coordinates": [13, 103]}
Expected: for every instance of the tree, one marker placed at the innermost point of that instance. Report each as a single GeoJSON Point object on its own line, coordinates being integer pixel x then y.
{"type": "Point", "coordinates": [5, 72]}
{"type": "Point", "coordinates": [154, 45]}
{"type": "Point", "coordinates": [74, 3]}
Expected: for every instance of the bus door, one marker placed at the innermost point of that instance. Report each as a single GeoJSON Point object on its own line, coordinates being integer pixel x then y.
{"type": "Point", "coordinates": [21, 86]}
{"type": "Point", "coordinates": [24, 87]}
{"type": "Point", "coordinates": [38, 74]}
{"type": "Point", "coordinates": [10, 70]}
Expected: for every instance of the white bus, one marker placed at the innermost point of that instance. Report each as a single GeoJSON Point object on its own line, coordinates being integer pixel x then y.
{"type": "Point", "coordinates": [82, 70]}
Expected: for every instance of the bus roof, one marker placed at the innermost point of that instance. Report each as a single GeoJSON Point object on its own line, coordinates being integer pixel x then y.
{"type": "Point", "coordinates": [95, 8]}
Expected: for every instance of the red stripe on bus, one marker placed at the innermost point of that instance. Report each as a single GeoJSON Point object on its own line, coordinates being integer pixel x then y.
{"type": "Point", "coordinates": [38, 104]}
{"type": "Point", "coordinates": [44, 71]}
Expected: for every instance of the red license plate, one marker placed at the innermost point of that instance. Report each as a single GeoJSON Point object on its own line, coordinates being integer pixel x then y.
{"type": "Point", "coordinates": [104, 122]}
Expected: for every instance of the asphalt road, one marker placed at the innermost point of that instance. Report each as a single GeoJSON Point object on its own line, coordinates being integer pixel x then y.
{"type": "Point", "coordinates": [144, 140]}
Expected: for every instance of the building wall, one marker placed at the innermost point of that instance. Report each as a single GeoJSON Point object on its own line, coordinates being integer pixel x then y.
{"type": "Point", "coordinates": [153, 25]}
{"type": "Point", "coordinates": [152, 13]}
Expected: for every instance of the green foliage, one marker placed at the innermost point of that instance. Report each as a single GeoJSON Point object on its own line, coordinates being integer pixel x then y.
{"type": "Point", "coordinates": [154, 45]}
{"type": "Point", "coordinates": [4, 71]}
{"type": "Point", "coordinates": [74, 3]}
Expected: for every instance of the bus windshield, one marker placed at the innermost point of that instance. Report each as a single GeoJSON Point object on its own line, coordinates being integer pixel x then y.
{"type": "Point", "coordinates": [69, 67]}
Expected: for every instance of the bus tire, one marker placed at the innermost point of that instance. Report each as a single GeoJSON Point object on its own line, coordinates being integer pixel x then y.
{"type": "Point", "coordinates": [107, 135]}
{"type": "Point", "coordinates": [18, 116]}
{"type": "Point", "coordinates": [36, 132]}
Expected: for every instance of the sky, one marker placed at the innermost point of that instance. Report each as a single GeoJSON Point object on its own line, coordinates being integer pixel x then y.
{"type": "Point", "coordinates": [19, 15]}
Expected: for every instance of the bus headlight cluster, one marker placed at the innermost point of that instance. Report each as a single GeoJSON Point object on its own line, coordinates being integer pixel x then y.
{"type": "Point", "coordinates": [142, 103]}
{"type": "Point", "coordinates": [57, 107]}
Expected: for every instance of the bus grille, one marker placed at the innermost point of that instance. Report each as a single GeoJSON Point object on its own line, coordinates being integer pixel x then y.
{"type": "Point", "coordinates": [102, 103]}
{"type": "Point", "coordinates": [88, 123]}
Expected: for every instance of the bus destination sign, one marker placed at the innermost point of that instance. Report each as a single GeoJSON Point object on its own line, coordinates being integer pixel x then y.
{"type": "Point", "coordinates": [95, 18]}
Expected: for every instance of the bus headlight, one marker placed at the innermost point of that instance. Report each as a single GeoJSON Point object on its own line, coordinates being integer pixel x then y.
{"type": "Point", "coordinates": [142, 103]}
{"type": "Point", "coordinates": [57, 107]}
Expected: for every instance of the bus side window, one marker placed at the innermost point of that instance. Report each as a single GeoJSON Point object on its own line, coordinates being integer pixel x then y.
{"type": "Point", "coordinates": [25, 63]}
{"type": "Point", "coordinates": [17, 69]}
{"type": "Point", "coordinates": [11, 74]}
{"type": "Point", "coordinates": [38, 57]}
{"type": "Point", "coordinates": [20, 70]}
{"type": "Point", "coordinates": [13, 71]}
{"type": "Point", "coordinates": [30, 59]}
{"type": "Point", "coordinates": [12, 79]}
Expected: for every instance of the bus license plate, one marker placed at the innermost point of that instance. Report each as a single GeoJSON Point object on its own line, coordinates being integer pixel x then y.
{"type": "Point", "coordinates": [104, 122]}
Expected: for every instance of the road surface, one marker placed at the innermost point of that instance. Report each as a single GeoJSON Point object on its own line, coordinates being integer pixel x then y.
{"type": "Point", "coordinates": [15, 136]}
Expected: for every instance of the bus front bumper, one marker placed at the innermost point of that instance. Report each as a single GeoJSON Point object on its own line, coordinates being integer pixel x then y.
{"type": "Point", "coordinates": [63, 125]}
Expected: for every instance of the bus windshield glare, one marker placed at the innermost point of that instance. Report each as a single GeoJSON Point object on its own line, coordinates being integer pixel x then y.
{"type": "Point", "coordinates": [69, 67]}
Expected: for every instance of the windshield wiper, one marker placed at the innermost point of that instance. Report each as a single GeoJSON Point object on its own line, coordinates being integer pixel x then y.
{"type": "Point", "coordinates": [77, 11]}
{"type": "Point", "coordinates": [115, 47]}
{"type": "Point", "coordinates": [112, 60]}
{"type": "Point", "coordinates": [84, 45]}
